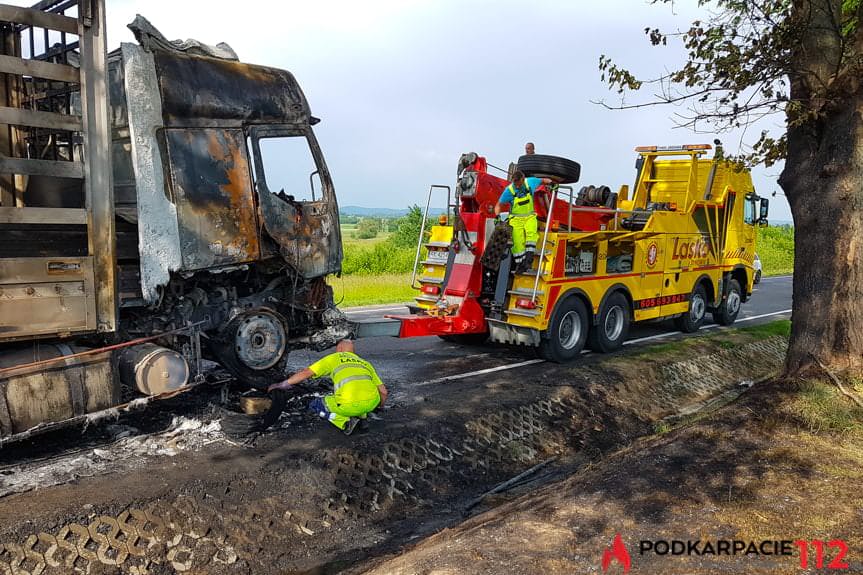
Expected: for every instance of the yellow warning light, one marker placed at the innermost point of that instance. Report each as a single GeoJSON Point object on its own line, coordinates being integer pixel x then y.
{"type": "Point", "coordinates": [683, 148]}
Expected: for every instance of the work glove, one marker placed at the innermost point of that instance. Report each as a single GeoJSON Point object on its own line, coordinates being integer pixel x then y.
{"type": "Point", "coordinates": [501, 217]}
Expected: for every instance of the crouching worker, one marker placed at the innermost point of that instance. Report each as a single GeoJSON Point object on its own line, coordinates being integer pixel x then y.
{"type": "Point", "coordinates": [357, 389]}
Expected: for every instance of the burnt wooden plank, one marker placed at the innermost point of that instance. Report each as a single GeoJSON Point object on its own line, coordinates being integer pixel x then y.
{"type": "Point", "coordinates": [38, 18]}
{"type": "Point", "coordinates": [35, 68]}
{"type": "Point", "coordinates": [20, 117]}
{"type": "Point", "coordinates": [27, 241]}
{"type": "Point", "coordinates": [54, 169]}
{"type": "Point", "coordinates": [59, 216]}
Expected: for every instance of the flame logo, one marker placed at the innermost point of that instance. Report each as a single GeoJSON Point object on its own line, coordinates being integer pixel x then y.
{"type": "Point", "coordinates": [617, 553]}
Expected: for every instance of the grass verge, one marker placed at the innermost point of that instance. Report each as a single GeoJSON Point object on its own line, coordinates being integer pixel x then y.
{"type": "Point", "coordinates": [776, 250]}
{"type": "Point", "coordinates": [817, 407]}
{"type": "Point", "coordinates": [723, 339]}
{"type": "Point", "coordinates": [353, 290]}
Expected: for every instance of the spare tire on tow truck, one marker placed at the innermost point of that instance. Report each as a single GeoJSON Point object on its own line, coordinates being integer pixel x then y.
{"type": "Point", "coordinates": [561, 170]}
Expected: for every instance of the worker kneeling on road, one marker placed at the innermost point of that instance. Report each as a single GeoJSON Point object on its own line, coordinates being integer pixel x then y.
{"type": "Point", "coordinates": [522, 217]}
{"type": "Point", "coordinates": [357, 389]}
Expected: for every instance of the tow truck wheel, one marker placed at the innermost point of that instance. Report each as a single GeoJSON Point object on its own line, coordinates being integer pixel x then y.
{"type": "Point", "coordinates": [691, 321]}
{"type": "Point", "coordinates": [613, 326]}
{"type": "Point", "coordinates": [566, 333]}
{"type": "Point", "coordinates": [726, 314]}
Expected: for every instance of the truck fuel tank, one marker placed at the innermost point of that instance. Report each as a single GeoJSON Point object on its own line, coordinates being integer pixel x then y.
{"type": "Point", "coordinates": [31, 396]}
{"type": "Point", "coordinates": [153, 369]}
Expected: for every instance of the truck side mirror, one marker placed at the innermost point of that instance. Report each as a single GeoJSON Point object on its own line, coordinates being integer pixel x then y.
{"type": "Point", "coordinates": [763, 208]}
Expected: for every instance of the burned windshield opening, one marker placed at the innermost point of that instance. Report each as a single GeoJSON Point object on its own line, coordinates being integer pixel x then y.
{"type": "Point", "coordinates": [289, 168]}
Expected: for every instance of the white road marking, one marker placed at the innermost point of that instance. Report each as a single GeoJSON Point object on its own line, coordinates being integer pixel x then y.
{"type": "Point", "coordinates": [586, 351]}
{"type": "Point", "coordinates": [483, 371]}
{"type": "Point", "coordinates": [711, 326]}
{"type": "Point", "coordinates": [765, 315]}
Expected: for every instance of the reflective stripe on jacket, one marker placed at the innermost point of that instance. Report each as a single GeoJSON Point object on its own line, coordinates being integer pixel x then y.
{"type": "Point", "coordinates": [354, 379]}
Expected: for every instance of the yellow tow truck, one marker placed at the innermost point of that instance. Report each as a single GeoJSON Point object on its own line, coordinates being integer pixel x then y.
{"type": "Point", "coordinates": [680, 244]}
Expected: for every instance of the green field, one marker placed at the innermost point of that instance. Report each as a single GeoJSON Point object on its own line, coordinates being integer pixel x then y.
{"type": "Point", "coordinates": [775, 247]}
{"type": "Point", "coordinates": [354, 290]}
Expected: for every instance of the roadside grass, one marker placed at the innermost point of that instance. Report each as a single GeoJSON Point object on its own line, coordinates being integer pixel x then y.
{"type": "Point", "coordinates": [354, 290]}
{"type": "Point", "coordinates": [779, 327]}
{"type": "Point", "coordinates": [776, 250]}
{"type": "Point", "coordinates": [723, 339]}
{"type": "Point", "coordinates": [816, 406]}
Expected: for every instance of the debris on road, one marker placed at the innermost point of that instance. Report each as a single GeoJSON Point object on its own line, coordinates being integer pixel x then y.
{"type": "Point", "coordinates": [128, 452]}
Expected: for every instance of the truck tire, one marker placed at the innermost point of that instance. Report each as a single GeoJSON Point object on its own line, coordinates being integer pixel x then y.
{"type": "Point", "coordinates": [612, 326]}
{"type": "Point", "coordinates": [757, 279]}
{"type": "Point", "coordinates": [726, 314]}
{"type": "Point", "coordinates": [562, 170]}
{"type": "Point", "coordinates": [253, 347]}
{"type": "Point", "coordinates": [691, 321]}
{"type": "Point", "coordinates": [567, 332]}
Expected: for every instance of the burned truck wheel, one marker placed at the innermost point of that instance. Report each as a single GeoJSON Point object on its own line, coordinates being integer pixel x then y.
{"type": "Point", "coordinates": [254, 347]}
{"type": "Point", "coordinates": [562, 170]}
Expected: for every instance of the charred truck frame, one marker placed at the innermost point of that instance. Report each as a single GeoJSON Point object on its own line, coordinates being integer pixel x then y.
{"type": "Point", "coordinates": [140, 202]}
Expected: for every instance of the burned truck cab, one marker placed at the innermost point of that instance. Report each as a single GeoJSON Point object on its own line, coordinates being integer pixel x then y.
{"type": "Point", "coordinates": [222, 188]}
{"type": "Point", "coordinates": [160, 205]}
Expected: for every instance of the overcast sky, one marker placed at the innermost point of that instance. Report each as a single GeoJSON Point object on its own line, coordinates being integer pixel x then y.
{"type": "Point", "coordinates": [404, 87]}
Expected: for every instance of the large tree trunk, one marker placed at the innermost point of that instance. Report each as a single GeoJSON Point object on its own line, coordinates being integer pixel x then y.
{"type": "Point", "coordinates": [823, 180]}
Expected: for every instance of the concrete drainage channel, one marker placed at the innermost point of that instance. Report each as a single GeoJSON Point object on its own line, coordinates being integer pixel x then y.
{"type": "Point", "coordinates": [210, 535]}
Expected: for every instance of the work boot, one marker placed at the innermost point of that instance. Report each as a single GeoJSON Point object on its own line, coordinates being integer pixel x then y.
{"type": "Point", "coordinates": [516, 264]}
{"type": "Point", "coordinates": [527, 262]}
{"type": "Point", "coordinates": [351, 425]}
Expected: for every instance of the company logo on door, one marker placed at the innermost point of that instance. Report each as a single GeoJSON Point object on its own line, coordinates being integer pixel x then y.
{"type": "Point", "coordinates": [684, 250]}
{"type": "Point", "coordinates": [652, 252]}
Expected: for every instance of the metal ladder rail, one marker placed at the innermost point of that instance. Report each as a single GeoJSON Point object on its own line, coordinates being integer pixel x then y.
{"type": "Point", "coordinates": [423, 227]}
{"type": "Point", "coordinates": [545, 235]}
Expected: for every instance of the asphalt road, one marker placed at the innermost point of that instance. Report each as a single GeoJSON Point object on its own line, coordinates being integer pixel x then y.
{"type": "Point", "coordinates": [432, 360]}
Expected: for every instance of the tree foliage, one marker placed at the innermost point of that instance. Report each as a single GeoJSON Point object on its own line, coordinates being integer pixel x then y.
{"type": "Point", "coordinates": [742, 61]}
{"type": "Point", "coordinates": [368, 228]}
{"type": "Point", "coordinates": [408, 231]}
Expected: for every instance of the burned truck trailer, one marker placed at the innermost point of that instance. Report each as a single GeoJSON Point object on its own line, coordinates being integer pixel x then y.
{"type": "Point", "coordinates": [166, 194]}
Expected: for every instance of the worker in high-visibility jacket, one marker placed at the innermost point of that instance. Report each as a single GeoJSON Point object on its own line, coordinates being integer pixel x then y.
{"type": "Point", "coordinates": [522, 217]}
{"type": "Point", "coordinates": [357, 389]}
